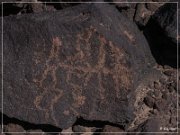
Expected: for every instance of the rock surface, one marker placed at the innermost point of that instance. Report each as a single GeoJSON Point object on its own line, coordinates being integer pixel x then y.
{"type": "Point", "coordinates": [68, 64]}
{"type": "Point", "coordinates": [155, 98]}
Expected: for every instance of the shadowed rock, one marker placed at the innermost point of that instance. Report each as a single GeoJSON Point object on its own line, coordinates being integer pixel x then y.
{"type": "Point", "coordinates": [84, 61]}
{"type": "Point", "coordinates": [163, 41]}
{"type": "Point", "coordinates": [166, 18]}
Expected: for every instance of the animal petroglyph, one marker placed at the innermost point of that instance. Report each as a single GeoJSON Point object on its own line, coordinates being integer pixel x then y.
{"type": "Point", "coordinates": [80, 66]}
{"type": "Point", "coordinates": [72, 67]}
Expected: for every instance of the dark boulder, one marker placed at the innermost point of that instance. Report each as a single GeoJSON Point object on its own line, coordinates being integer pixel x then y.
{"type": "Point", "coordinates": [161, 33]}
{"type": "Point", "coordinates": [84, 61]}
{"type": "Point", "coordinates": [150, 125]}
{"type": "Point", "coordinates": [166, 18]}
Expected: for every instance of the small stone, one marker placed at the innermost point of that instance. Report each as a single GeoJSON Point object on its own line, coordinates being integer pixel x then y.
{"type": "Point", "coordinates": [173, 120]}
{"type": "Point", "coordinates": [121, 5]}
{"type": "Point", "coordinates": [67, 131]}
{"type": "Point", "coordinates": [157, 85]}
{"type": "Point", "coordinates": [150, 93]}
{"type": "Point", "coordinates": [165, 95]}
{"type": "Point", "coordinates": [168, 72]}
{"type": "Point", "coordinates": [140, 103]}
{"type": "Point", "coordinates": [173, 84]}
{"type": "Point", "coordinates": [38, 132]}
{"type": "Point", "coordinates": [142, 15]}
{"type": "Point", "coordinates": [13, 128]}
{"type": "Point", "coordinates": [151, 125]}
{"type": "Point", "coordinates": [136, 122]}
{"type": "Point", "coordinates": [153, 6]}
{"type": "Point", "coordinates": [157, 93]}
{"type": "Point", "coordinates": [129, 13]}
{"type": "Point", "coordinates": [79, 128]}
{"type": "Point", "coordinates": [149, 101]}
{"type": "Point", "coordinates": [155, 111]}
{"type": "Point", "coordinates": [109, 128]}
{"type": "Point", "coordinates": [166, 67]}
{"type": "Point", "coordinates": [171, 89]}
{"type": "Point", "coordinates": [163, 81]}
{"type": "Point", "coordinates": [160, 105]}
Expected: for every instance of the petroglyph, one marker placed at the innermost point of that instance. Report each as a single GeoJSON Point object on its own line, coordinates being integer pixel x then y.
{"type": "Point", "coordinates": [73, 69]}
{"type": "Point", "coordinates": [110, 65]}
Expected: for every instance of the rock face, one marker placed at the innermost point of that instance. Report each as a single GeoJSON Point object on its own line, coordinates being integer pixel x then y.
{"type": "Point", "coordinates": [84, 61]}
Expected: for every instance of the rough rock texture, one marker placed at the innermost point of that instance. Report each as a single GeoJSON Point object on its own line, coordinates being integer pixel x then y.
{"type": "Point", "coordinates": [68, 64]}
{"type": "Point", "coordinates": [156, 103]}
{"type": "Point", "coordinates": [140, 13]}
{"type": "Point", "coordinates": [144, 11]}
